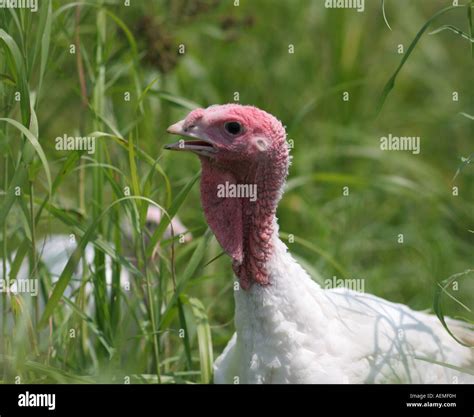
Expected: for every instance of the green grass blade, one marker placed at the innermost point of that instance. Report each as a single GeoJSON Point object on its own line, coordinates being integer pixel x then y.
{"type": "Point", "coordinates": [178, 101]}
{"type": "Point", "coordinates": [391, 82]}
{"type": "Point", "coordinates": [446, 365]}
{"type": "Point", "coordinates": [203, 330]}
{"type": "Point", "coordinates": [466, 115]}
{"type": "Point", "coordinates": [437, 305]}
{"type": "Point", "coordinates": [453, 29]}
{"type": "Point", "coordinates": [45, 41]}
{"type": "Point", "coordinates": [19, 256]}
{"type": "Point", "coordinates": [36, 145]}
{"type": "Point", "coordinates": [16, 64]}
{"type": "Point", "coordinates": [139, 152]}
{"type": "Point", "coordinates": [189, 271]}
{"type": "Point", "coordinates": [165, 221]}
{"type": "Point", "coordinates": [184, 326]}
{"type": "Point", "coordinates": [93, 326]}
{"type": "Point", "coordinates": [385, 15]}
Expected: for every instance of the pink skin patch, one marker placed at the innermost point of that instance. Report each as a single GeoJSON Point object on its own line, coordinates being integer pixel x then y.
{"type": "Point", "coordinates": [223, 215]}
{"type": "Point", "coordinates": [256, 155]}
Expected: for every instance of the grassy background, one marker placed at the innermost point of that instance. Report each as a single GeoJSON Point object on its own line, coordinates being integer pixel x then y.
{"type": "Point", "coordinates": [135, 336]}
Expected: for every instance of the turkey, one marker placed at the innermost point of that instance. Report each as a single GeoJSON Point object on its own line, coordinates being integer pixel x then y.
{"type": "Point", "coordinates": [56, 249]}
{"type": "Point", "coordinates": [288, 328]}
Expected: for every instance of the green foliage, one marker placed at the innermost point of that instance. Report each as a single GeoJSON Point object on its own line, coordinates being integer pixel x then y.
{"type": "Point", "coordinates": [116, 71]}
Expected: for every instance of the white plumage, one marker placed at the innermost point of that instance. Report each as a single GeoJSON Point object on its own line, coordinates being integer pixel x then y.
{"type": "Point", "coordinates": [55, 251]}
{"type": "Point", "coordinates": [289, 329]}
{"type": "Point", "coordinates": [293, 331]}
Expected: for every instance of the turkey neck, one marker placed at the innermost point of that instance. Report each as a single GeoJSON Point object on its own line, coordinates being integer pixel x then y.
{"type": "Point", "coordinates": [259, 227]}
{"type": "Point", "coordinates": [246, 229]}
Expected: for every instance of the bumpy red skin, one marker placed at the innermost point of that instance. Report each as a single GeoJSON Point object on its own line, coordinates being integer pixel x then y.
{"type": "Point", "coordinates": [259, 156]}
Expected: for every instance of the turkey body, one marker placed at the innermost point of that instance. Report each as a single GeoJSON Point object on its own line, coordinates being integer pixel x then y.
{"type": "Point", "coordinates": [55, 252]}
{"type": "Point", "coordinates": [293, 331]}
{"type": "Point", "coordinates": [289, 329]}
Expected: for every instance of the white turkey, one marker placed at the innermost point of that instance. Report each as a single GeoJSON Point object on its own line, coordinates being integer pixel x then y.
{"type": "Point", "coordinates": [288, 328]}
{"type": "Point", "coordinates": [55, 250]}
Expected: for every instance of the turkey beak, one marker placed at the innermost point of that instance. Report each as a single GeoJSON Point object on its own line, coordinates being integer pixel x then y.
{"type": "Point", "coordinates": [200, 143]}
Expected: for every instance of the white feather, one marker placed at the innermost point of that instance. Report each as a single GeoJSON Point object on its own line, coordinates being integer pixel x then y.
{"type": "Point", "coordinates": [293, 331]}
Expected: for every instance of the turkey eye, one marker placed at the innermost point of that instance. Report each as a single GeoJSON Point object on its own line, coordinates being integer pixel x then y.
{"type": "Point", "coordinates": [234, 128]}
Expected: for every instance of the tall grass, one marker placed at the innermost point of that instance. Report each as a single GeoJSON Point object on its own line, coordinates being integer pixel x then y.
{"type": "Point", "coordinates": [108, 343]}
{"type": "Point", "coordinates": [126, 82]}
{"type": "Point", "coordinates": [443, 287]}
